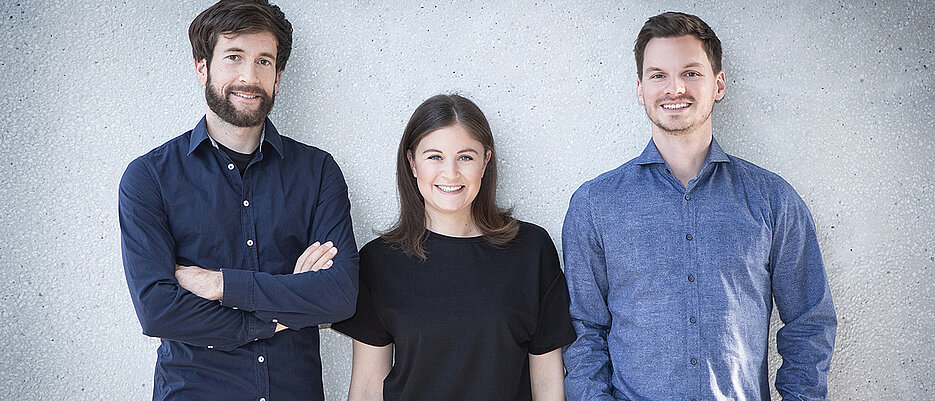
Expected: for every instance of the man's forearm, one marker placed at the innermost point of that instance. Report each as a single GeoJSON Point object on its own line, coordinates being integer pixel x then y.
{"type": "Point", "coordinates": [208, 284]}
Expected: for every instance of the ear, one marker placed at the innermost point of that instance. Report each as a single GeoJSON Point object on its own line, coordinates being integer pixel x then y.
{"type": "Point", "coordinates": [276, 85]}
{"type": "Point", "coordinates": [639, 91]}
{"type": "Point", "coordinates": [412, 165]}
{"type": "Point", "coordinates": [721, 86]}
{"type": "Point", "coordinates": [201, 71]}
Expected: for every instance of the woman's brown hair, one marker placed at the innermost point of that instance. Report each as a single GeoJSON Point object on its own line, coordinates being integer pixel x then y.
{"type": "Point", "coordinates": [495, 224]}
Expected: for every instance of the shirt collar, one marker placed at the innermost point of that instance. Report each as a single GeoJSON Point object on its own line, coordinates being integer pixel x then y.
{"type": "Point", "coordinates": [269, 135]}
{"type": "Point", "coordinates": [651, 154]}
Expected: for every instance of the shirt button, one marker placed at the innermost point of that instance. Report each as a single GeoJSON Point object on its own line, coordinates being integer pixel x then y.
{"type": "Point", "coordinates": [234, 307]}
{"type": "Point", "coordinates": [688, 237]}
{"type": "Point", "coordinates": [688, 197]}
{"type": "Point", "coordinates": [261, 359]}
{"type": "Point", "coordinates": [249, 242]}
{"type": "Point", "coordinates": [275, 320]}
{"type": "Point", "coordinates": [246, 202]}
{"type": "Point", "coordinates": [692, 320]}
{"type": "Point", "coordinates": [694, 361]}
{"type": "Point", "coordinates": [210, 346]}
{"type": "Point", "coordinates": [691, 278]}
{"type": "Point", "coordinates": [230, 166]}
{"type": "Point", "coordinates": [262, 399]}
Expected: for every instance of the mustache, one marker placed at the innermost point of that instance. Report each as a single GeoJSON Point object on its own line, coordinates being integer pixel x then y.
{"type": "Point", "coordinates": [683, 99]}
{"type": "Point", "coordinates": [247, 88]}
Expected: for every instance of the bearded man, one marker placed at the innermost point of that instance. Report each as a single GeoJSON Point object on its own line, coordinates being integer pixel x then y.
{"type": "Point", "coordinates": [237, 240]}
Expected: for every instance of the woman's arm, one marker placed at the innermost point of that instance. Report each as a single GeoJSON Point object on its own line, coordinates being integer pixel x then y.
{"type": "Point", "coordinates": [546, 374]}
{"type": "Point", "coordinates": [371, 365]}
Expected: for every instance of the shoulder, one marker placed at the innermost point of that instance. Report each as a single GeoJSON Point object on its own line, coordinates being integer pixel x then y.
{"type": "Point", "coordinates": [531, 232]}
{"type": "Point", "coordinates": [533, 238]}
{"type": "Point", "coordinates": [376, 246]}
{"type": "Point", "coordinates": [145, 167]}
{"type": "Point", "coordinates": [770, 184]}
{"type": "Point", "coordinates": [609, 181]}
{"type": "Point", "coordinates": [294, 148]}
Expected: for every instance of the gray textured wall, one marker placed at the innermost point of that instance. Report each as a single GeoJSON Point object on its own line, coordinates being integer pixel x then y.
{"type": "Point", "coordinates": [834, 96]}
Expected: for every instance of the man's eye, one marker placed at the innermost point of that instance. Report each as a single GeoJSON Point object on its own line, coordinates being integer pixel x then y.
{"type": "Point", "coordinates": [692, 74]}
{"type": "Point", "coordinates": [265, 62]}
{"type": "Point", "coordinates": [656, 76]}
{"type": "Point", "coordinates": [233, 57]}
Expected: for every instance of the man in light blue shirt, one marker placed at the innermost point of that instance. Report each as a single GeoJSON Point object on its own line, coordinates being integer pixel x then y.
{"type": "Point", "coordinates": [675, 258]}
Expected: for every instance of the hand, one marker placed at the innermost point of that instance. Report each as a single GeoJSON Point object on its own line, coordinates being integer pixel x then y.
{"type": "Point", "coordinates": [208, 284]}
{"type": "Point", "coordinates": [315, 257]}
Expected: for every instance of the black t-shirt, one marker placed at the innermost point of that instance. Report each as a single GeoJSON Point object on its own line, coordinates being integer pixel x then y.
{"type": "Point", "coordinates": [464, 321]}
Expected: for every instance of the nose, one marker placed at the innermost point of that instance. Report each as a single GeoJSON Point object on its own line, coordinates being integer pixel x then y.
{"type": "Point", "coordinates": [675, 86]}
{"type": "Point", "coordinates": [248, 73]}
{"type": "Point", "coordinates": [450, 168]}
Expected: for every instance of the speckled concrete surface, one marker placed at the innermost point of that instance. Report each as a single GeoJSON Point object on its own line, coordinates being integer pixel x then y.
{"type": "Point", "coordinates": [834, 96]}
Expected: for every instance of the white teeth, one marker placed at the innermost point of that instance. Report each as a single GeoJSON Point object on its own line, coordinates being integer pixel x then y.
{"type": "Point", "coordinates": [245, 96]}
{"type": "Point", "coordinates": [675, 106]}
{"type": "Point", "coordinates": [449, 189]}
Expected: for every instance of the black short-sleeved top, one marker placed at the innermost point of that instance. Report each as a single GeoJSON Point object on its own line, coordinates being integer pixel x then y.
{"type": "Point", "coordinates": [464, 321]}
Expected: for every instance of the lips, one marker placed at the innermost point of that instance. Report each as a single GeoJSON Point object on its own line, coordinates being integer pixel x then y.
{"type": "Point", "coordinates": [247, 93]}
{"type": "Point", "coordinates": [450, 189]}
{"type": "Point", "coordinates": [676, 106]}
{"type": "Point", "coordinates": [248, 96]}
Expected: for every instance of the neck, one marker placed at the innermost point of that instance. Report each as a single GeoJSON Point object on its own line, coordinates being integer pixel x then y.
{"type": "Point", "coordinates": [238, 139]}
{"type": "Point", "coordinates": [684, 152]}
{"type": "Point", "coordinates": [452, 225]}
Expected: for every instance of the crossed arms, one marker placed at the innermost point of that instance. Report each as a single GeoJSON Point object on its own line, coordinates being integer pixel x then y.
{"type": "Point", "coordinates": [253, 304]}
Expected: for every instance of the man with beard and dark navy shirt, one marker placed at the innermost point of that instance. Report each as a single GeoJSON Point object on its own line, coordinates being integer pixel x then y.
{"type": "Point", "coordinates": [236, 240]}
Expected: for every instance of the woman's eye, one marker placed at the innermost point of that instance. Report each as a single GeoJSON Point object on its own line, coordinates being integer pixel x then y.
{"type": "Point", "coordinates": [434, 157]}
{"type": "Point", "coordinates": [465, 158]}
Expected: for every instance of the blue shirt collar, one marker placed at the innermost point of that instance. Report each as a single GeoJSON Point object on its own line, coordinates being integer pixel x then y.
{"type": "Point", "coordinates": [270, 135]}
{"type": "Point", "coordinates": [651, 154]}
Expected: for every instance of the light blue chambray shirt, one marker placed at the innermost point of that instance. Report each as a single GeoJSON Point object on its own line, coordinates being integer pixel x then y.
{"type": "Point", "coordinates": [672, 287]}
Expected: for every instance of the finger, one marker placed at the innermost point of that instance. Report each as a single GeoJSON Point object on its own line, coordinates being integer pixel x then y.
{"type": "Point", "coordinates": [303, 257]}
{"type": "Point", "coordinates": [325, 261]}
{"type": "Point", "coordinates": [312, 263]}
{"type": "Point", "coordinates": [314, 256]}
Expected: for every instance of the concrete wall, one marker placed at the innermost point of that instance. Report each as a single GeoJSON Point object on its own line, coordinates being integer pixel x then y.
{"type": "Point", "coordinates": [834, 96]}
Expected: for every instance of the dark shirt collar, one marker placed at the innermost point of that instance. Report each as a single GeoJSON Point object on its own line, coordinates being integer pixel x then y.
{"type": "Point", "coordinates": [270, 135]}
{"type": "Point", "coordinates": [651, 154]}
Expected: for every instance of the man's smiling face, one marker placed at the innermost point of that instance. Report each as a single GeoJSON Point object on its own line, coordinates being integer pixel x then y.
{"type": "Point", "coordinates": [241, 81]}
{"type": "Point", "coordinates": [679, 86]}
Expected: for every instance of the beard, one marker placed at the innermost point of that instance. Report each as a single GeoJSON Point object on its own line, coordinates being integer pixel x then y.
{"type": "Point", "coordinates": [680, 126]}
{"type": "Point", "coordinates": [221, 104]}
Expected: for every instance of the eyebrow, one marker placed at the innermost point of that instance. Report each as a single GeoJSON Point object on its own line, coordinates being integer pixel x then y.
{"type": "Point", "coordinates": [460, 151]}
{"type": "Point", "coordinates": [239, 50]}
{"type": "Point", "coordinates": [689, 65]}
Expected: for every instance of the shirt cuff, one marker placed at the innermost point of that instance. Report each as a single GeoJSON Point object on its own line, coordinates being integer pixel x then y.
{"type": "Point", "coordinates": [238, 289]}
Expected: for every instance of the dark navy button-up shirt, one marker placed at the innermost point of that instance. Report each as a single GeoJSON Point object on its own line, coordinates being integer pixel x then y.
{"type": "Point", "coordinates": [672, 287]}
{"type": "Point", "coordinates": [186, 203]}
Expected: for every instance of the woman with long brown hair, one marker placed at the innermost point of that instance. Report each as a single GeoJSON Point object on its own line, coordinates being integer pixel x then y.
{"type": "Point", "coordinates": [459, 300]}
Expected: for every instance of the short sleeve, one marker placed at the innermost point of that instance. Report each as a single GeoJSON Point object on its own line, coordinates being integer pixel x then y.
{"type": "Point", "coordinates": [365, 326]}
{"type": "Point", "coordinates": [553, 327]}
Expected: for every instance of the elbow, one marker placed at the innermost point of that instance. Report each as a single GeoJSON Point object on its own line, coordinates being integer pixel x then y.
{"type": "Point", "coordinates": [345, 310]}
